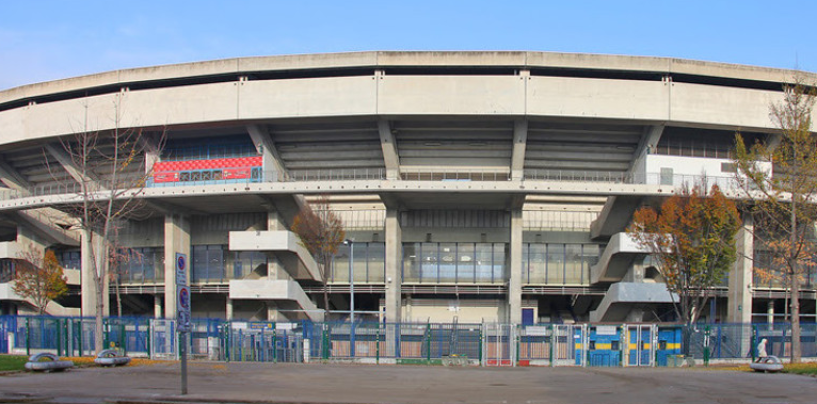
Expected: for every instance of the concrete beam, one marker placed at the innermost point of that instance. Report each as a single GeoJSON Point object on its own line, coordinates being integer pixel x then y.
{"type": "Point", "coordinates": [70, 166]}
{"type": "Point", "coordinates": [12, 179]}
{"type": "Point", "coordinates": [520, 141]}
{"type": "Point", "coordinates": [263, 143]}
{"type": "Point", "coordinates": [648, 143]}
{"type": "Point", "coordinates": [391, 156]}
{"type": "Point", "coordinates": [42, 221]}
{"type": "Point", "coordinates": [615, 215]}
{"type": "Point", "coordinates": [622, 296]}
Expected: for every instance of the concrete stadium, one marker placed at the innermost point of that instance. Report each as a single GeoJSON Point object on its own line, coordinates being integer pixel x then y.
{"type": "Point", "coordinates": [475, 186]}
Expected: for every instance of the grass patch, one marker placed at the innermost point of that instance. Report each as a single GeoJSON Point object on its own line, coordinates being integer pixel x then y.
{"type": "Point", "coordinates": [801, 368]}
{"type": "Point", "coordinates": [12, 362]}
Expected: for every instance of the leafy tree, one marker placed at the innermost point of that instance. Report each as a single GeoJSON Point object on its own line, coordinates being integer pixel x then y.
{"type": "Point", "coordinates": [321, 232]}
{"type": "Point", "coordinates": [692, 239]}
{"type": "Point", "coordinates": [782, 202]}
{"type": "Point", "coordinates": [39, 277]}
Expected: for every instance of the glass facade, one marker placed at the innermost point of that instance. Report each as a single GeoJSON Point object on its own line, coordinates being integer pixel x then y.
{"type": "Point", "coordinates": [454, 263]}
{"type": "Point", "coordinates": [558, 263]}
{"type": "Point", "coordinates": [768, 274]}
{"type": "Point", "coordinates": [214, 263]}
{"type": "Point", "coordinates": [143, 265]}
{"type": "Point", "coordinates": [369, 262]}
{"type": "Point", "coordinates": [209, 148]}
{"type": "Point", "coordinates": [69, 259]}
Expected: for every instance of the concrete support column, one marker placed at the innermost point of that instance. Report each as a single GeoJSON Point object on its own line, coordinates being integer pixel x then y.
{"type": "Point", "coordinates": [394, 260]}
{"type": "Point", "coordinates": [177, 240]}
{"type": "Point", "coordinates": [515, 275]}
{"type": "Point", "coordinates": [93, 258]}
{"type": "Point", "coordinates": [740, 277]}
{"type": "Point", "coordinates": [520, 142]}
{"type": "Point", "coordinates": [272, 312]}
{"type": "Point", "coordinates": [229, 310]}
{"type": "Point", "coordinates": [157, 306]}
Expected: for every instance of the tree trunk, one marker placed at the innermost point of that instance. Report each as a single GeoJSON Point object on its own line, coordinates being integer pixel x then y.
{"type": "Point", "coordinates": [99, 340]}
{"type": "Point", "coordinates": [795, 319]}
{"type": "Point", "coordinates": [118, 297]}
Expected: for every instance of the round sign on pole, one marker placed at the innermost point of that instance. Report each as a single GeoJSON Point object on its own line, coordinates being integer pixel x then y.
{"type": "Point", "coordinates": [184, 298]}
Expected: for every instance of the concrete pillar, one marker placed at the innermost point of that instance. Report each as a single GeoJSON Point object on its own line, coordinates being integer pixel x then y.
{"type": "Point", "coordinates": [515, 270]}
{"type": "Point", "coordinates": [93, 249]}
{"type": "Point", "coordinates": [740, 277]}
{"type": "Point", "coordinates": [229, 310]}
{"type": "Point", "coordinates": [177, 240]}
{"type": "Point", "coordinates": [157, 306]}
{"type": "Point", "coordinates": [520, 142]}
{"type": "Point", "coordinates": [770, 312]}
{"type": "Point", "coordinates": [394, 260]}
{"type": "Point", "coordinates": [272, 312]}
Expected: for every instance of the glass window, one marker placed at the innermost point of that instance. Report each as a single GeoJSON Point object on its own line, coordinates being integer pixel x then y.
{"type": "Point", "coordinates": [340, 265]}
{"type": "Point", "coordinates": [590, 256]}
{"type": "Point", "coordinates": [536, 266]}
{"type": "Point", "coordinates": [361, 261]}
{"type": "Point", "coordinates": [555, 264]}
{"type": "Point", "coordinates": [377, 262]}
{"type": "Point", "coordinates": [411, 270]}
{"type": "Point", "coordinates": [573, 264]}
{"type": "Point", "coordinates": [498, 274]}
{"type": "Point", "coordinates": [485, 262]}
{"type": "Point", "coordinates": [429, 271]}
{"type": "Point", "coordinates": [448, 262]}
{"type": "Point", "coordinates": [465, 263]}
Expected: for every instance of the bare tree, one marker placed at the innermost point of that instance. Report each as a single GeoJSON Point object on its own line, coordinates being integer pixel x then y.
{"type": "Point", "coordinates": [321, 232]}
{"type": "Point", "coordinates": [39, 277]}
{"type": "Point", "coordinates": [110, 168]}
{"type": "Point", "coordinates": [782, 199]}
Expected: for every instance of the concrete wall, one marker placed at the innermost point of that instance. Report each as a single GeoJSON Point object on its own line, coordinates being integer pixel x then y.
{"type": "Point", "coordinates": [494, 95]}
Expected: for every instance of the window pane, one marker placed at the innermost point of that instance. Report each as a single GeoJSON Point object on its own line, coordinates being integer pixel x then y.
{"type": "Point", "coordinates": [590, 255]}
{"type": "Point", "coordinates": [198, 271]}
{"type": "Point", "coordinates": [555, 263]}
{"type": "Point", "coordinates": [573, 264]}
{"type": "Point", "coordinates": [360, 261]}
{"type": "Point", "coordinates": [340, 267]}
{"type": "Point", "coordinates": [499, 274]}
{"type": "Point", "coordinates": [537, 264]}
{"type": "Point", "coordinates": [448, 262]}
{"type": "Point", "coordinates": [215, 254]}
{"type": "Point", "coordinates": [465, 262]}
{"type": "Point", "coordinates": [377, 262]}
{"type": "Point", "coordinates": [484, 255]}
{"type": "Point", "coordinates": [430, 269]}
{"type": "Point", "coordinates": [411, 270]}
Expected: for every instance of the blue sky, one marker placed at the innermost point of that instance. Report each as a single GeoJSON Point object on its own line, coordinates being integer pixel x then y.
{"type": "Point", "coordinates": [48, 40]}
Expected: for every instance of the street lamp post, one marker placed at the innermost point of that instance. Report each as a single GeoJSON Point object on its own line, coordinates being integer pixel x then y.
{"type": "Point", "coordinates": [351, 244]}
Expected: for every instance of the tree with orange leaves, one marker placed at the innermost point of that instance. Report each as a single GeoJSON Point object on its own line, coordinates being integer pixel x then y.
{"type": "Point", "coordinates": [782, 200]}
{"type": "Point", "coordinates": [321, 232]}
{"type": "Point", "coordinates": [39, 277]}
{"type": "Point", "coordinates": [692, 240]}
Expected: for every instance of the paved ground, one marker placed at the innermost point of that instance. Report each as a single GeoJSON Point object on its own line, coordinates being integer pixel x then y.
{"type": "Point", "coordinates": [363, 384]}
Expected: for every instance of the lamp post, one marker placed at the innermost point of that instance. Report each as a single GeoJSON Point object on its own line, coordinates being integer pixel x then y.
{"type": "Point", "coordinates": [351, 244]}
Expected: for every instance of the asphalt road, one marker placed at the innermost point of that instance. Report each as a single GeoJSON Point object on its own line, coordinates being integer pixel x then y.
{"type": "Point", "coordinates": [362, 384]}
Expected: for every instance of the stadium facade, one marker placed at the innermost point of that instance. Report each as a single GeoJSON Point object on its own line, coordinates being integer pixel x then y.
{"type": "Point", "coordinates": [473, 186]}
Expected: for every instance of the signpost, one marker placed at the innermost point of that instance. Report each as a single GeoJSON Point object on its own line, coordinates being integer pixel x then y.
{"type": "Point", "coordinates": [182, 313]}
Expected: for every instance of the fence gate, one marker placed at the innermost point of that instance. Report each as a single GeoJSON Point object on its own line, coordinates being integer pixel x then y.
{"type": "Point", "coordinates": [498, 345]}
{"type": "Point", "coordinates": [163, 339]}
{"type": "Point", "coordinates": [5, 328]}
{"type": "Point", "coordinates": [640, 345]}
{"type": "Point", "coordinates": [569, 344]}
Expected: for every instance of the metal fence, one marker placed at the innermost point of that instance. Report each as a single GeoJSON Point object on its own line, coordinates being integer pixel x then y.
{"type": "Point", "coordinates": [486, 344]}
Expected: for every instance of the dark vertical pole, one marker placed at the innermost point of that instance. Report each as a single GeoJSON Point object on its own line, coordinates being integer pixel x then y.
{"type": "Point", "coordinates": [183, 353]}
